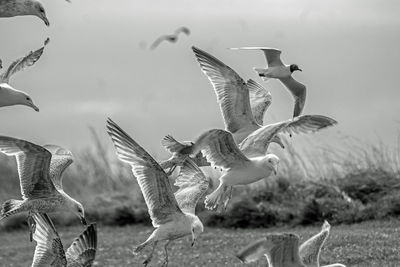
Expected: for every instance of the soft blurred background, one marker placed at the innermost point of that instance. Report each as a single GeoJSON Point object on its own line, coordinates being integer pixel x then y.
{"type": "Point", "coordinates": [98, 64]}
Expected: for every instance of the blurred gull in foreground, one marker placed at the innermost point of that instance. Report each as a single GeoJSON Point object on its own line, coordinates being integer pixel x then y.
{"type": "Point", "coordinates": [12, 8]}
{"type": "Point", "coordinates": [40, 177]}
{"type": "Point", "coordinates": [282, 250]}
{"type": "Point", "coordinates": [10, 96]}
{"type": "Point", "coordinates": [173, 216]}
{"type": "Point", "coordinates": [276, 69]}
{"type": "Point", "coordinates": [49, 248]}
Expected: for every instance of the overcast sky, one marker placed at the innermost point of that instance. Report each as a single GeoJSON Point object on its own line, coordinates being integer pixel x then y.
{"type": "Point", "coordinates": [98, 64]}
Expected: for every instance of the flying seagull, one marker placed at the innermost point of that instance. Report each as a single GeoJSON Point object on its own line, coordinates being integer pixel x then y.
{"type": "Point", "coordinates": [50, 251]}
{"type": "Point", "coordinates": [170, 37]}
{"type": "Point", "coordinates": [40, 179]}
{"type": "Point", "coordinates": [12, 8]}
{"type": "Point", "coordinates": [10, 96]}
{"type": "Point", "coordinates": [276, 69]}
{"type": "Point", "coordinates": [282, 250]}
{"type": "Point", "coordinates": [241, 117]}
{"type": "Point", "coordinates": [173, 216]}
{"type": "Point", "coordinates": [220, 150]}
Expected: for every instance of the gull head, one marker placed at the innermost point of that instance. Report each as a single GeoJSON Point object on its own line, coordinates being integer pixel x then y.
{"type": "Point", "coordinates": [37, 9]}
{"type": "Point", "coordinates": [272, 162]}
{"type": "Point", "coordinates": [197, 229]}
{"type": "Point", "coordinates": [10, 96]}
{"type": "Point", "coordinates": [78, 210]}
{"type": "Point", "coordinates": [294, 67]}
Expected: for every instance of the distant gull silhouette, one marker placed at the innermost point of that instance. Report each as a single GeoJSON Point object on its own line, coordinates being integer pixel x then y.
{"type": "Point", "coordinates": [276, 69]}
{"type": "Point", "coordinates": [220, 150]}
{"type": "Point", "coordinates": [170, 37]}
{"type": "Point", "coordinates": [49, 249]}
{"type": "Point", "coordinates": [10, 96]}
{"type": "Point", "coordinates": [173, 216]}
{"type": "Point", "coordinates": [40, 180]}
{"type": "Point", "coordinates": [233, 96]}
{"type": "Point", "coordinates": [282, 250]}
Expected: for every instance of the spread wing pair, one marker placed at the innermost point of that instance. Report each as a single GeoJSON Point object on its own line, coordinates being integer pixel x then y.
{"type": "Point", "coordinates": [241, 117]}
{"type": "Point", "coordinates": [170, 37]}
{"type": "Point", "coordinates": [50, 251]}
{"type": "Point", "coordinates": [162, 204]}
{"type": "Point", "coordinates": [22, 63]}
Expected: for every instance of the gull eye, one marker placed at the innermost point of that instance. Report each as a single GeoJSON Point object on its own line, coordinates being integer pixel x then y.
{"type": "Point", "coordinates": [28, 98]}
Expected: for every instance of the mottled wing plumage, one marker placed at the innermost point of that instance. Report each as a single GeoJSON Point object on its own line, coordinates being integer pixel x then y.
{"type": "Point", "coordinates": [60, 160]}
{"type": "Point", "coordinates": [232, 92]}
{"type": "Point", "coordinates": [33, 166]}
{"type": "Point", "coordinates": [82, 251]}
{"type": "Point", "coordinates": [260, 100]}
{"type": "Point", "coordinates": [192, 185]}
{"type": "Point", "coordinates": [309, 251]}
{"type": "Point", "coordinates": [298, 90]}
{"type": "Point", "coordinates": [21, 64]}
{"type": "Point", "coordinates": [308, 124]}
{"type": "Point", "coordinates": [49, 250]}
{"type": "Point", "coordinates": [152, 180]}
{"type": "Point", "coordinates": [220, 149]}
{"type": "Point", "coordinates": [256, 144]}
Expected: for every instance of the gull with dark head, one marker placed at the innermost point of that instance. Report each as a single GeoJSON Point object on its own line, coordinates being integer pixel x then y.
{"type": "Point", "coordinates": [173, 216]}
{"type": "Point", "coordinates": [220, 150]}
{"type": "Point", "coordinates": [40, 176]}
{"type": "Point", "coordinates": [49, 249]}
{"type": "Point", "coordinates": [277, 70]}
{"type": "Point", "coordinates": [244, 118]}
{"type": "Point", "coordinates": [10, 96]}
{"type": "Point", "coordinates": [283, 250]}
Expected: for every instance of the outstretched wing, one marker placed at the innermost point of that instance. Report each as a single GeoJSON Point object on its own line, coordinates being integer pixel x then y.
{"type": "Point", "coordinates": [232, 92]}
{"type": "Point", "coordinates": [260, 100]}
{"type": "Point", "coordinates": [220, 149]}
{"type": "Point", "coordinates": [311, 248]}
{"type": "Point", "coordinates": [308, 124]}
{"type": "Point", "coordinates": [60, 160]}
{"type": "Point", "coordinates": [256, 144]}
{"type": "Point", "coordinates": [49, 250]}
{"type": "Point", "coordinates": [299, 92]}
{"type": "Point", "coordinates": [272, 55]}
{"type": "Point", "coordinates": [22, 63]}
{"type": "Point", "coordinates": [153, 181]}
{"type": "Point", "coordinates": [82, 251]}
{"type": "Point", "coordinates": [33, 166]}
{"type": "Point", "coordinates": [183, 29]}
{"type": "Point", "coordinates": [159, 40]}
{"type": "Point", "coordinates": [192, 185]}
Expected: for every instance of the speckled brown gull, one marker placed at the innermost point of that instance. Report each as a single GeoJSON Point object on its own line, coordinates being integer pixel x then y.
{"type": "Point", "coordinates": [49, 249]}
{"type": "Point", "coordinates": [282, 250]}
{"type": "Point", "coordinates": [172, 215]}
{"type": "Point", "coordinates": [12, 8]}
{"type": "Point", "coordinates": [10, 96]}
{"type": "Point", "coordinates": [37, 172]}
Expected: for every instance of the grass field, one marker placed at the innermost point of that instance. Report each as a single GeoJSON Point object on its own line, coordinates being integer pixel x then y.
{"type": "Point", "coordinates": [374, 243]}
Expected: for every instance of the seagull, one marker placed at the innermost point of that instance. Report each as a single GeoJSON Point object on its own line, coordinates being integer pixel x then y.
{"type": "Point", "coordinates": [49, 249]}
{"type": "Point", "coordinates": [221, 151]}
{"type": "Point", "coordinates": [282, 250]}
{"type": "Point", "coordinates": [241, 117]}
{"type": "Point", "coordinates": [170, 37]}
{"type": "Point", "coordinates": [12, 8]}
{"type": "Point", "coordinates": [40, 176]}
{"type": "Point", "coordinates": [173, 216]}
{"type": "Point", "coordinates": [276, 69]}
{"type": "Point", "coordinates": [10, 96]}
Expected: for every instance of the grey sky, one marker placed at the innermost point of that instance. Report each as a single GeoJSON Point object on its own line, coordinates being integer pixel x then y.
{"type": "Point", "coordinates": [95, 65]}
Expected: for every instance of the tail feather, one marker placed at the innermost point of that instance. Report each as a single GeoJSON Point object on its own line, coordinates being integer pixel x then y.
{"type": "Point", "coordinates": [171, 144]}
{"type": "Point", "coordinates": [216, 198]}
{"type": "Point", "coordinates": [10, 207]}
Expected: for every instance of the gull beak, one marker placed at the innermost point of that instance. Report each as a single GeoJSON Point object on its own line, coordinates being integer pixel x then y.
{"type": "Point", "coordinates": [193, 241]}
{"type": "Point", "coordinates": [276, 169]}
{"type": "Point", "coordinates": [192, 244]}
{"type": "Point", "coordinates": [83, 221]}
{"type": "Point", "coordinates": [46, 21]}
{"type": "Point", "coordinates": [300, 69]}
{"type": "Point", "coordinates": [33, 106]}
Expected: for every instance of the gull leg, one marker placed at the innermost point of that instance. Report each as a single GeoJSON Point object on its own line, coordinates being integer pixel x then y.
{"type": "Point", "coordinates": [228, 198]}
{"type": "Point", "coordinates": [148, 259]}
{"type": "Point", "coordinates": [31, 225]}
{"type": "Point", "coordinates": [165, 263]}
